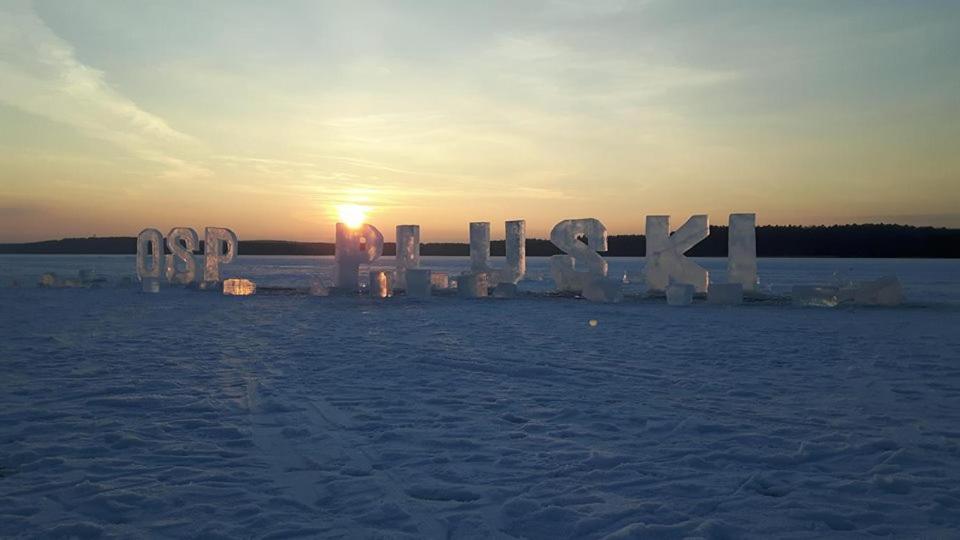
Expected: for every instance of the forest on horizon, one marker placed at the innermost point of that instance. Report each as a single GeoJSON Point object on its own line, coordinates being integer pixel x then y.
{"type": "Point", "coordinates": [866, 241]}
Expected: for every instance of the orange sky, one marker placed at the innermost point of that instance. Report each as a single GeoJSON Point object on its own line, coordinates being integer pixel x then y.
{"type": "Point", "coordinates": [118, 116]}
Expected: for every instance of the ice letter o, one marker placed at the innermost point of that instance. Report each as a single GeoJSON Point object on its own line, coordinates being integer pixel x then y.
{"type": "Point", "coordinates": [579, 255]}
{"type": "Point", "coordinates": [515, 246]}
{"type": "Point", "coordinates": [355, 246]}
{"type": "Point", "coordinates": [666, 263]}
{"type": "Point", "coordinates": [149, 263]}
{"type": "Point", "coordinates": [408, 252]}
{"type": "Point", "coordinates": [184, 252]}
{"type": "Point", "coordinates": [214, 240]}
{"type": "Point", "coordinates": [742, 251]}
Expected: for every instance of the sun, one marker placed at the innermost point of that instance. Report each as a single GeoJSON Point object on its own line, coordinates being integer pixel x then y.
{"type": "Point", "coordinates": [352, 215]}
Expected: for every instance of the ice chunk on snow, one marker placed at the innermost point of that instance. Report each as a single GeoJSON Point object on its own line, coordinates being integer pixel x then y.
{"type": "Point", "coordinates": [680, 294]}
{"type": "Point", "coordinates": [603, 289]}
{"type": "Point", "coordinates": [440, 280]}
{"type": "Point", "coordinates": [814, 295]}
{"type": "Point", "coordinates": [319, 288]}
{"type": "Point", "coordinates": [239, 287]}
{"type": "Point", "coordinates": [472, 285]}
{"type": "Point", "coordinates": [355, 246]}
{"type": "Point", "coordinates": [182, 241]}
{"type": "Point", "coordinates": [151, 285]}
{"type": "Point", "coordinates": [725, 293]}
{"type": "Point", "coordinates": [419, 282]}
{"type": "Point", "coordinates": [49, 280]}
{"type": "Point", "coordinates": [149, 254]}
{"type": "Point", "coordinates": [515, 247]}
{"type": "Point", "coordinates": [885, 291]}
{"type": "Point", "coordinates": [220, 246]}
{"type": "Point", "coordinates": [581, 262]}
{"type": "Point", "coordinates": [665, 262]}
{"type": "Point", "coordinates": [408, 251]}
{"type": "Point", "coordinates": [505, 290]}
{"type": "Point", "coordinates": [742, 251]}
{"type": "Point", "coordinates": [381, 284]}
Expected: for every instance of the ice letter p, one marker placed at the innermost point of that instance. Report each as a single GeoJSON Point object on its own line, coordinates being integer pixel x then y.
{"type": "Point", "coordinates": [355, 246]}
{"type": "Point", "coordinates": [666, 263]}
{"type": "Point", "coordinates": [214, 241]}
{"type": "Point", "coordinates": [564, 268]}
{"type": "Point", "coordinates": [149, 254]}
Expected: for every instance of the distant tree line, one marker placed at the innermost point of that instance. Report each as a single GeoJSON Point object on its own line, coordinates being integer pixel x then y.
{"type": "Point", "coordinates": [772, 241]}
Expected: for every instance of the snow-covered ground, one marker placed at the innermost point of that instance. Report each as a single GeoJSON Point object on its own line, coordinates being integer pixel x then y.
{"type": "Point", "coordinates": [283, 415]}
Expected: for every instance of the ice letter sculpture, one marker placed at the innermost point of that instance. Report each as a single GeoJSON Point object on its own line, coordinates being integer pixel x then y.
{"type": "Point", "coordinates": [742, 251]}
{"type": "Point", "coordinates": [355, 246]}
{"type": "Point", "coordinates": [408, 252]}
{"type": "Point", "coordinates": [149, 263]}
{"type": "Point", "coordinates": [215, 239]}
{"type": "Point", "coordinates": [666, 263]}
{"type": "Point", "coordinates": [516, 251]}
{"type": "Point", "coordinates": [564, 268]}
{"type": "Point", "coordinates": [182, 251]}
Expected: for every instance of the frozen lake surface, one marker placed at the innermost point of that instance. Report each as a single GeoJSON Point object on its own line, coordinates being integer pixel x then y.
{"type": "Point", "coordinates": [278, 416]}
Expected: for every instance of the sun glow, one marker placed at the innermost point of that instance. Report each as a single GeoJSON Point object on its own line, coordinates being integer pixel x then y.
{"type": "Point", "coordinates": [352, 215]}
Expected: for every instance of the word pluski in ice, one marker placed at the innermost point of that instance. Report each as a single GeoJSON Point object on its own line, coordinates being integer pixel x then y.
{"type": "Point", "coordinates": [215, 239]}
{"type": "Point", "coordinates": [355, 246]}
{"type": "Point", "coordinates": [742, 251]}
{"type": "Point", "coordinates": [516, 251]}
{"type": "Point", "coordinates": [566, 268]}
{"type": "Point", "coordinates": [666, 263]}
{"type": "Point", "coordinates": [408, 252]}
{"type": "Point", "coordinates": [149, 254]}
{"type": "Point", "coordinates": [182, 241]}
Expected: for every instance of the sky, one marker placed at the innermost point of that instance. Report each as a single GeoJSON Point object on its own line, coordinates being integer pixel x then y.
{"type": "Point", "coordinates": [270, 118]}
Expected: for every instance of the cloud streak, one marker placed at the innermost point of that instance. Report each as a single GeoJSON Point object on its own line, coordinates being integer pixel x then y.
{"type": "Point", "coordinates": [40, 74]}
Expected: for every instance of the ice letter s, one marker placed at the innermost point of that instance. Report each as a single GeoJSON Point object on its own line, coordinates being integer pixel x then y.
{"type": "Point", "coordinates": [742, 251]}
{"type": "Point", "coordinates": [578, 255]}
{"type": "Point", "coordinates": [214, 240]}
{"type": "Point", "coordinates": [184, 252]}
{"type": "Point", "coordinates": [516, 251]}
{"type": "Point", "coordinates": [666, 263]}
{"type": "Point", "coordinates": [408, 251]}
{"type": "Point", "coordinates": [149, 239]}
{"type": "Point", "coordinates": [355, 246]}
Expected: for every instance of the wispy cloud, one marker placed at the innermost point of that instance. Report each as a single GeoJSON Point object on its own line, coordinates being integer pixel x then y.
{"type": "Point", "coordinates": [40, 74]}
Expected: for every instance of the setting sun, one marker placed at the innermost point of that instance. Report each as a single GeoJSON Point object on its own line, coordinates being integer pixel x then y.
{"type": "Point", "coordinates": [352, 215]}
